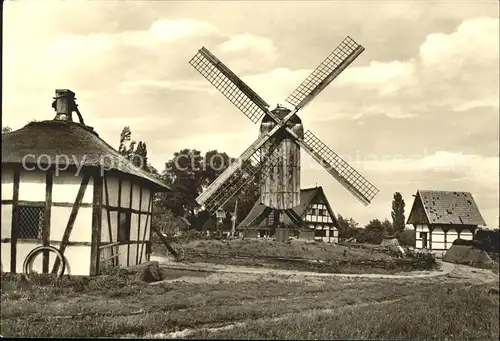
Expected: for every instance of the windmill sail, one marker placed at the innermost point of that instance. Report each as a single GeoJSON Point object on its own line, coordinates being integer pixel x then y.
{"type": "Point", "coordinates": [338, 168]}
{"type": "Point", "coordinates": [230, 85]}
{"type": "Point", "coordinates": [250, 152]}
{"type": "Point", "coordinates": [254, 107]}
{"type": "Point", "coordinates": [325, 73]}
{"type": "Point", "coordinates": [238, 179]}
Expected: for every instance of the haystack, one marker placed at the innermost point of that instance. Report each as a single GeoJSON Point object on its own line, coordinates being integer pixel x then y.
{"type": "Point", "coordinates": [389, 241]}
{"type": "Point", "coordinates": [392, 245]}
{"type": "Point", "coordinates": [470, 255]}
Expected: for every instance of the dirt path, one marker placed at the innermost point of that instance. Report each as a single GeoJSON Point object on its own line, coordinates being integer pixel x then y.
{"type": "Point", "coordinates": [446, 268]}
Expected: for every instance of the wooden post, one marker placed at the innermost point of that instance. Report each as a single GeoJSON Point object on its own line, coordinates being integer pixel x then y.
{"type": "Point", "coordinates": [148, 216]}
{"type": "Point", "coordinates": [96, 225]}
{"type": "Point", "coordinates": [49, 179]}
{"type": "Point", "coordinates": [114, 260]}
{"type": "Point", "coordinates": [71, 220]}
{"type": "Point", "coordinates": [14, 232]}
{"type": "Point", "coordinates": [129, 214]}
{"type": "Point", "coordinates": [235, 217]}
{"type": "Point", "coordinates": [150, 227]}
{"type": "Point", "coordinates": [139, 226]}
{"type": "Point", "coordinates": [431, 229]}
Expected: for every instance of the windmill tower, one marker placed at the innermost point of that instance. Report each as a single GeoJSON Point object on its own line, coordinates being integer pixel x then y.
{"type": "Point", "coordinates": [275, 155]}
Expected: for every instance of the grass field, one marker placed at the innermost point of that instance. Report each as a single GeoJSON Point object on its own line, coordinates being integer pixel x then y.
{"type": "Point", "coordinates": [202, 305]}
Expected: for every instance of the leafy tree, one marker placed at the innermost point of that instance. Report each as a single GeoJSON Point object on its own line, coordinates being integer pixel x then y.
{"type": "Point", "coordinates": [375, 225]}
{"type": "Point", "coordinates": [167, 222]}
{"type": "Point", "coordinates": [184, 174]}
{"type": "Point", "coordinates": [125, 137]}
{"type": "Point", "coordinates": [347, 227]}
{"type": "Point", "coordinates": [407, 237]}
{"type": "Point", "coordinates": [214, 164]}
{"type": "Point", "coordinates": [388, 227]}
{"type": "Point", "coordinates": [140, 157]}
{"type": "Point", "coordinates": [374, 231]}
{"type": "Point", "coordinates": [137, 155]}
{"type": "Point", "coordinates": [398, 212]}
{"type": "Point", "coordinates": [6, 129]}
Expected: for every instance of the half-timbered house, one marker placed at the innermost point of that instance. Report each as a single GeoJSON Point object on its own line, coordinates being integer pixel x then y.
{"type": "Point", "coordinates": [62, 185]}
{"type": "Point", "coordinates": [440, 217]}
{"type": "Point", "coordinates": [314, 210]}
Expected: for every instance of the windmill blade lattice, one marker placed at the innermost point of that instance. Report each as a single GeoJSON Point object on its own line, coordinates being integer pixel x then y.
{"type": "Point", "coordinates": [248, 171]}
{"type": "Point", "coordinates": [230, 85]}
{"type": "Point", "coordinates": [340, 169]}
{"type": "Point", "coordinates": [326, 72]}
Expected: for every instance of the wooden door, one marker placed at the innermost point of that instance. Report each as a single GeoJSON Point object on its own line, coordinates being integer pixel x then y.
{"type": "Point", "coordinates": [423, 235]}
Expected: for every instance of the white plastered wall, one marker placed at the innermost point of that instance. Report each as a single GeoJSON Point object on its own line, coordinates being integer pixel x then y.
{"type": "Point", "coordinates": [128, 254]}
{"type": "Point", "coordinates": [438, 239]}
{"type": "Point", "coordinates": [32, 188]}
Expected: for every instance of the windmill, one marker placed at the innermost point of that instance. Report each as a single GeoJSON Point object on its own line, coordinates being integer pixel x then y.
{"type": "Point", "coordinates": [275, 155]}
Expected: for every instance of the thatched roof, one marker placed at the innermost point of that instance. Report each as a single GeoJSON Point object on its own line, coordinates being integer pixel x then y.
{"type": "Point", "coordinates": [52, 140]}
{"type": "Point", "coordinates": [445, 207]}
{"type": "Point", "coordinates": [259, 211]}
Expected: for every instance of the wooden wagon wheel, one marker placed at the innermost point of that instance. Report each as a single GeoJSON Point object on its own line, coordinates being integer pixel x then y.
{"type": "Point", "coordinates": [28, 261]}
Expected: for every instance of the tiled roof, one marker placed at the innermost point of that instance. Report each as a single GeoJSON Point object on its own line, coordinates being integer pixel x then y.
{"type": "Point", "coordinates": [447, 207]}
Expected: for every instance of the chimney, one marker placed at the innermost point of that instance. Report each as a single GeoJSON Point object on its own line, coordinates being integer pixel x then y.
{"type": "Point", "coordinates": [64, 105]}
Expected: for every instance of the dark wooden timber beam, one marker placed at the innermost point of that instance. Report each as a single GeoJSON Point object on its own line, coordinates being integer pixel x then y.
{"type": "Point", "coordinates": [71, 220]}
{"type": "Point", "coordinates": [49, 179]}
{"type": "Point", "coordinates": [96, 225]}
{"type": "Point", "coordinates": [138, 226]}
{"type": "Point", "coordinates": [108, 217]}
{"type": "Point", "coordinates": [149, 216]}
{"type": "Point", "coordinates": [15, 221]}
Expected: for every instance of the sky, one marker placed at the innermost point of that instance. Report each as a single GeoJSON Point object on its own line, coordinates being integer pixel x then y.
{"type": "Point", "coordinates": [419, 109]}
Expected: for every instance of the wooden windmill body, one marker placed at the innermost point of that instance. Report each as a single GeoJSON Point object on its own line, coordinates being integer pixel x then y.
{"type": "Point", "coordinates": [280, 184]}
{"type": "Point", "coordinates": [275, 156]}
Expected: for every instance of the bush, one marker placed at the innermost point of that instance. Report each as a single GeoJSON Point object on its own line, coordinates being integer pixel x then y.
{"type": "Point", "coordinates": [406, 237]}
{"type": "Point", "coordinates": [474, 243]}
{"type": "Point", "coordinates": [490, 239]}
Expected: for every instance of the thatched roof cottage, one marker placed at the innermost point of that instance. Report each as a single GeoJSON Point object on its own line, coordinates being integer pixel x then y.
{"type": "Point", "coordinates": [62, 185]}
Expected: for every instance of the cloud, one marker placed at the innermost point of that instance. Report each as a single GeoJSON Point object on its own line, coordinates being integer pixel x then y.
{"type": "Point", "coordinates": [445, 73]}
{"type": "Point", "coordinates": [428, 79]}
{"type": "Point", "coordinates": [171, 30]}
{"type": "Point", "coordinates": [249, 45]}
{"type": "Point", "coordinates": [131, 87]}
{"type": "Point", "coordinates": [473, 167]}
{"type": "Point", "coordinates": [442, 170]}
{"type": "Point", "coordinates": [275, 85]}
{"type": "Point", "coordinates": [492, 103]}
{"type": "Point", "coordinates": [473, 41]}
{"type": "Point", "coordinates": [400, 88]}
{"type": "Point", "coordinates": [386, 77]}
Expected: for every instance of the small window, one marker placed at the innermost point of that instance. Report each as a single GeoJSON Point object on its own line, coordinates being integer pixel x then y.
{"type": "Point", "coordinates": [124, 227]}
{"type": "Point", "coordinates": [270, 219]}
{"type": "Point", "coordinates": [322, 212]}
{"type": "Point", "coordinates": [310, 211]}
{"type": "Point", "coordinates": [30, 222]}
